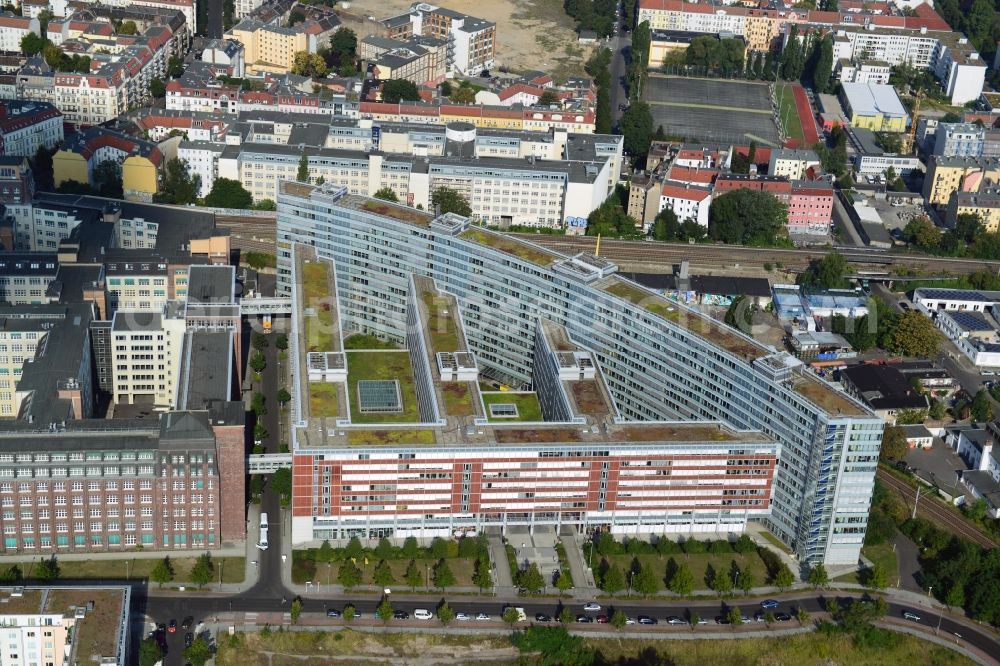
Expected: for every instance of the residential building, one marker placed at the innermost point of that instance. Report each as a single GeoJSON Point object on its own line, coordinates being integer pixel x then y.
{"type": "Point", "coordinates": [687, 202]}
{"type": "Point", "coordinates": [918, 436]}
{"type": "Point", "coordinates": [883, 388]}
{"type": "Point", "coordinates": [984, 204]}
{"type": "Point", "coordinates": [202, 159]}
{"type": "Point", "coordinates": [874, 107]}
{"type": "Point", "coordinates": [17, 183]}
{"type": "Point", "coordinates": [946, 175]}
{"type": "Point", "coordinates": [974, 333]}
{"type": "Point", "coordinates": [225, 53]}
{"type": "Point", "coordinates": [655, 366]}
{"type": "Point", "coordinates": [421, 60]}
{"type": "Point", "coordinates": [871, 159]}
{"type": "Point", "coordinates": [42, 625]}
{"type": "Point", "coordinates": [269, 48]}
{"type": "Point", "coordinates": [13, 29]}
{"type": "Point", "coordinates": [793, 164]}
{"type": "Point", "coordinates": [26, 126]}
{"type": "Point", "coordinates": [140, 161]}
{"type": "Point", "coordinates": [471, 41]}
{"type": "Point", "coordinates": [493, 117]}
{"type": "Point", "coordinates": [810, 207]}
{"type": "Point", "coordinates": [867, 71]}
{"type": "Point", "coordinates": [931, 301]}
{"type": "Point", "coordinates": [959, 140]}
{"type": "Point", "coordinates": [25, 278]}
{"type": "Point", "coordinates": [976, 445]}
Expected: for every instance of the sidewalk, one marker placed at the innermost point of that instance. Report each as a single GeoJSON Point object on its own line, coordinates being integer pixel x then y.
{"type": "Point", "coordinates": [583, 577]}
{"type": "Point", "coordinates": [502, 581]}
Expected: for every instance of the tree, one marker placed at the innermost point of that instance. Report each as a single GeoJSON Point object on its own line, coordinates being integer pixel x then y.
{"type": "Point", "coordinates": [802, 615]}
{"type": "Point", "coordinates": [783, 577]}
{"type": "Point", "coordinates": [107, 177]}
{"type": "Point", "coordinates": [325, 552]}
{"type": "Point", "coordinates": [399, 90]}
{"type": "Point", "coordinates": [179, 186]}
{"type": "Point", "coordinates": [531, 579]}
{"type": "Point", "coordinates": [349, 575]}
{"type": "Point", "coordinates": [451, 201]}
{"type": "Point", "coordinates": [344, 44]}
{"type": "Point", "coordinates": [914, 335]}
{"type": "Point", "coordinates": [748, 217]}
{"type": "Point", "coordinates": [747, 581]}
{"type": "Point", "coordinates": [666, 227]}
{"type": "Point", "coordinates": [382, 576]}
{"type": "Point", "coordinates": [442, 575]}
{"type": "Point", "coordinates": [877, 577]}
{"type": "Point", "coordinates": [11, 574]}
{"type": "Point", "coordinates": [203, 570]}
{"type": "Point", "coordinates": [894, 444]}
{"type": "Point", "coordinates": [566, 616]}
{"type": "Point", "coordinates": [47, 569]}
{"type": "Point", "coordinates": [41, 167]}
{"type": "Point", "coordinates": [645, 581]}
{"type": "Point", "coordinates": [302, 175]}
{"type": "Point", "coordinates": [228, 193]}
{"type": "Point", "coordinates": [618, 619]}
{"type": "Point", "coordinates": [32, 44]}
{"type": "Point", "coordinates": [793, 57]}
{"type": "Point", "coordinates": [549, 98]}
{"type": "Point", "coordinates": [281, 482]}
{"type": "Point", "coordinates": [937, 409]}
{"type": "Point", "coordinates": [511, 616]}
{"type": "Point", "coordinates": [128, 28]}
{"type": "Point", "coordinates": [350, 612]}
{"type": "Point", "coordinates": [613, 580]}
{"type": "Point", "coordinates": [386, 194]}
{"type": "Point", "coordinates": [412, 576]}
{"type": "Point", "coordinates": [384, 610]}
{"type": "Point", "coordinates": [463, 95]}
{"type": "Point", "coordinates": [827, 272]}
{"type": "Point", "coordinates": [564, 582]}
{"type": "Point", "coordinates": [445, 613]}
{"type": "Point", "coordinates": [308, 64]}
{"type": "Point", "coordinates": [163, 572]}
{"type": "Point", "coordinates": [722, 583]}
{"type": "Point", "coordinates": [295, 610]}
{"type": "Point", "coordinates": [734, 616]}
{"type": "Point", "coordinates": [175, 67]}
{"type": "Point", "coordinates": [955, 597]}
{"type": "Point", "coordinates": [682, 582]}
{"type": "Point", "coordinates": [818, 577]}
{"type": "Point", "coordinates": [283, 396]}
{"type": "Point", "coordinates": [481, 577]}
{"type": "Point", "coordinates": [823, 65]}
{"type": "Point", "coordinates": [150, 652]}
{"type": "Point", "coordinates": [982, 407]}
{"type": "Point", "coordinates": [157, 88]}
{"type": "Point", "coordinates": [257, 404]}
{"type": "Point", "coordinates": [636, 125]}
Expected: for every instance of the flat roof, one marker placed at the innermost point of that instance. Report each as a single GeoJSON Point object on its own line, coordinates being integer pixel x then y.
{"type": "Point", "coordinates": [870, 99]}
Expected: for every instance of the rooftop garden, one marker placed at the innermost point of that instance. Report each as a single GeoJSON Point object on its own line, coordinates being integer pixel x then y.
{"type": "Point", "coordinates": [537, 435]}
{"type": "Point", "coordinates": [365, 341]}
{"type": "Point", "coordinates": [383, 365]}
{"type": "Point", "coordinates": [458, 397]}
{"type": "Point", "coordinates": [589, 397]}
{"type": "Point", "coordinates": [441, 325]}
{"type": "Point", "coordinates": [323, 399]}
{"type": "Point", "coordinates": [527, 405]}
{"type": "Point", "coordinates": [823, 395]}
{"type": "Point", "coordinates": [96, 635]}
{"type": "Point", "coordinates": [397, 212]}
{"type": "Point", "coordinates": [509, 246]}
{"type": "Point", "coordinates": [319, 328]}
{"type": "Point", "coordinates": [675, 433]}
{"type": "Point", "coordinates": [389, 437]}
{"type": "Point", "coordinates": [715, 332]}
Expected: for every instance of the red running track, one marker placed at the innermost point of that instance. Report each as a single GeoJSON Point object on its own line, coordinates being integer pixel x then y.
{"type": "Point", "coordinates": [806, 118]}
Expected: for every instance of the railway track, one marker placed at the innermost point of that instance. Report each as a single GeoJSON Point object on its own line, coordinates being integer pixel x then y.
{"type": "Point", "coordinates": [930, 509]}
{"type": "Point", "coordinates": [651, 252]}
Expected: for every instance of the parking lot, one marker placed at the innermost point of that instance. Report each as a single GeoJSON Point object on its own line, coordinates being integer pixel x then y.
{"type": "Point", "coordinates": [938, 465]}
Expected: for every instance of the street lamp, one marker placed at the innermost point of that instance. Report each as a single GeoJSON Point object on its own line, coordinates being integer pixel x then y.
{"type": "Point", "coordinates": [328, 566]}
{"type": "Point", "coordinates": [427, 574]}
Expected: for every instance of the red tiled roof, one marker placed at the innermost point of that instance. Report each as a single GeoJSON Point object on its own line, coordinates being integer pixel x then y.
{"type": "Point", "coordinates": [692, 174]}
{"type": "Point", "coordinates": [682, 192]}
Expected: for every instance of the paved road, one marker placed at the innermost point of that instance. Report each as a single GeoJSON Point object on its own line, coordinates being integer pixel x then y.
{"type": "Point", "coordinates": [269, 609]}
{"type": "Point", "coordinates": [908, 558]}
{"type": "Point", "coordinates": [620, 45]}
{"type": "Point", "coordinates": [214, 28]}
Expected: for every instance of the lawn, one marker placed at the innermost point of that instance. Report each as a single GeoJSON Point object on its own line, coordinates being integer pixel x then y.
{"type": "Point", "coordinates": [644, 299]}
{"type": "Point", "coordinates": [316, 294]}
{"type": "Point", "coordinates": [363, 341]}
{"type": "Point", "coordinates": [802, 650]}
{"type": "Point", "coordinates": [441, 323]}
{"type": "Point", "coordinates": [323, 399]}
{"type": "Point", "coordinates": [528, 408]}
{"type": "Point", "coordinates": [233, 568]}
{"type": "Point", "coordinates": [788, 112]}
{"type": "Point", "coordinates": [387, 437]}
{"type": "Point", "coordinates": [881, 554]}
{"type": "Point", "coordinates": [458, 398]}
{"type": "Point", "coordinates": [383, 365]}
{"type": "Point", "coordinates": [305, 569]}
{"type": "Point", "coordinates": [697, 563]}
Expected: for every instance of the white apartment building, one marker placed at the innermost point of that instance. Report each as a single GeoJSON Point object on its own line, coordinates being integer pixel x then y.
{"type": "Point", "coordinates": [25, 126]}
{"type": "Point", "coordinates": [243, 8]}
{"type": "Point", "coordinates": [870, 71]}
{"type": "Point", "coordinates": [33, 639]}
{"type": "Point", "coordinates": [687, 202]}
{"type": "Point", "coordinates": [792, 164]}
{"type": "Point", "coordinates": [187, 7]}
{"type": "Point", "coordinates": [14, 28]}
{"type": "Point", "coordinates": [146, 351]}
{"type": "Point", "coordinates": [202, 158]}
{"type": "Point", "coordinates": [19, 342]}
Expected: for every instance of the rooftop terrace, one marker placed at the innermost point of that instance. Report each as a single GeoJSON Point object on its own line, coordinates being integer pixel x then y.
{"type": "Point", "coordinates": [526, 404]}
{"type": "Point", "coordinates": [382, 365]}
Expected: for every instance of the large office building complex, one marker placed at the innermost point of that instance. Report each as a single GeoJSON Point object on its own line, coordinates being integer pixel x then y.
{"type": "Point", "coordinates": [526, 387]}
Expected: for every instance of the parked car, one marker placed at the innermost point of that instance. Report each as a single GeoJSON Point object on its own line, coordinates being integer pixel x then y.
{"type": "Point", "coordinates": [423, 614]}
{"type": "Point", "coordinates": [172, 627]}
{"type": "Point", "coordinates": [332, 612]}
{"type": "Point", "coordinates": [592, 606]}
{"type": "Point", "coordinates": [782, 617]}
{"type": "Point", "coordinates": [188, 639]}
{"type": "Point", "coordinates": [758, 616]}
{"type": "Point", "coordinates": [645, 619]}
{"type": "Point", "coordinates": [674, 620]}
{"type": "Point", "coordinates": [483, 616]}
{"type": "Point", "coordinates": [602, 619]}
{"type": "Point", "coordinates": [463, 617]}
{"type": "Point", "coordinates": [910, 615]}
{"type": "Point", "coordinates": [542, 617]}
{"type": "Point", "coordinates": [584, 619]}
{"type": "Point", "coordinates": [630, 620]}
{"type": "Point", "coordinates": [187, 622]}
{"type": "Point", "coordinates": [769, 604]}
{"type": "Point", "coordinates": [400, 615]}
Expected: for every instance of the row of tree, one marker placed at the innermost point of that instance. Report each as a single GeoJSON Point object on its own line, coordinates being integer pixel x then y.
{"type": "Point", "coordinates": [596, 15]}
{"type": "Point", "coordinates": [967, 238]}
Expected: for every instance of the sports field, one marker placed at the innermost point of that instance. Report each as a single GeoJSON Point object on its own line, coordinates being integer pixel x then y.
{"type": "Point", "coordinates": [713, 110]}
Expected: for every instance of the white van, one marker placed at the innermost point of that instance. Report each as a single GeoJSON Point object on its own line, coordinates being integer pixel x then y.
{"type": "Point", "coordinates": [423, 614]}
{"type": "Point", "coordinates": [262, 544]}
{"type": "Point", "coordinates": [263, 521]}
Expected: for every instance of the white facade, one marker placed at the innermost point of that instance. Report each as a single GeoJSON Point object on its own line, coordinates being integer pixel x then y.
{"type": "Point", "coordinates": [13, 29]}
{"type": "Point", "coordinates": [34, 639]}
{"type": "Point", "coordinates": [962, 73]}
{"type": "Point", "coordinates": [146, 349]}
{"type": "Point", "coordinates": [243, 8]}
{"type": "Point", "coordinates": [23, 140]}
{"type": "Point", "coordinates": [936, 300]}
{"type": "Point", "coordinates": [202, 159]}
{"type": "Point", "coordinates": [688, 203]}
{"type": "Point", "coordinates": [792, 164]}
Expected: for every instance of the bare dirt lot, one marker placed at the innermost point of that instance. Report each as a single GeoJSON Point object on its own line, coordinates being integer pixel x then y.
{"type": "Point", "coordinates": [531, 34]}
